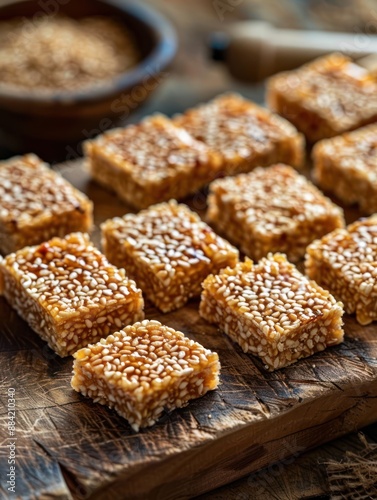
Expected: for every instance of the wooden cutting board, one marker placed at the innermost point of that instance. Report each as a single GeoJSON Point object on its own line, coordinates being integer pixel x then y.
{"type": "Point", "coordinates": [68, 447]}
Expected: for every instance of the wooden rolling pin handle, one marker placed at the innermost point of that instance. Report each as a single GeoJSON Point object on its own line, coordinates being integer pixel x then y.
{"type": "Point", "coordinates": [254, 50]}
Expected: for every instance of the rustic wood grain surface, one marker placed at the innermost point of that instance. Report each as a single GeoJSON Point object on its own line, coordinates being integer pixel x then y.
{"type": "Point", "coordinates": [69, 447]}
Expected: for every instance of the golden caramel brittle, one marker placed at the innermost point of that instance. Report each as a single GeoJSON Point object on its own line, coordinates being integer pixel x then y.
{"type": "Point", "coordinates": [36, 204]}
{"type": "Point", "coordinates": [151, 162]}
{"type": "Point", "coordinates": [243, 133]}
{"type": "Point", "coordinates": [69, 293]}
{"type": "Point", "coordinates": [144, 369]}
{"type": "Point", "coordinates": [168, 250]}
{"type": "Point", "coordinates": [325, 97]}
{"type": "Point", "coordinates": [345, 262]}
{"type": "Point", "coordinates": [271, 209]}
{"type": "Point", "coordinates": [271, 310]}
{"type": "Point", "coordinates": [346, 166]}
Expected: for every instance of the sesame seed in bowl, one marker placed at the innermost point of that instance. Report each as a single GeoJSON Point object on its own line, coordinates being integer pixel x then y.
{"type": "Point", "coordinates": [75, 71]}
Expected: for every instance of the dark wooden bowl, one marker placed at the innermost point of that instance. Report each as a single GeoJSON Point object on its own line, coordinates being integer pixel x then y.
{"type": "Point", "coordinates": [54, 125]}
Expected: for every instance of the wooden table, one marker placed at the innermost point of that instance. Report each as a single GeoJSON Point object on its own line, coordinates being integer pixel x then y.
{"type": "Point", "coordinates": [300, 473]}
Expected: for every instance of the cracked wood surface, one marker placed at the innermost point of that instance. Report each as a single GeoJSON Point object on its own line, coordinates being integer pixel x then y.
{"type": "Point", "coordinates": [68, 447]}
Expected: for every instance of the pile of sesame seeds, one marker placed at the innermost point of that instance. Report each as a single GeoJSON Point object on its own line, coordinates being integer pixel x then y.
{"type": "Point", "coordinates": [55, 53]}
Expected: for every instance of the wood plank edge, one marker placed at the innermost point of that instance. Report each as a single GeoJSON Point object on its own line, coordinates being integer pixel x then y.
{"type": "Point", "coordinates": [249, 447]}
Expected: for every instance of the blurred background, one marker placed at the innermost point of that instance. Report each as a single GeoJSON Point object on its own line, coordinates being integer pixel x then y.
{"type": "Point", "coordinates": [210, 55]}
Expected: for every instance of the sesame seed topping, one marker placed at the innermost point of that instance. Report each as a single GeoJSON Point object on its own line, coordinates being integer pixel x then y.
{"type": "Point", "coordinates": [271, 209]}
{"type": "Point", "coordinates": [153, 150]}
{"type": "Point", "coordinates": [142, 369]}
{"type": "Point", "coordinates": [29, 190]}
{"type": "Point", "coordinates": [346, 166]}
{"type": "Point", "coordinates": [341, 96]}
{"type": "Point", "coordinates": [64, 305]}
{"type": "Point", "coordinates": [348, 258]}
{"type": "Point", "coordinates": [235, 127]}
{"type": "Point", "coordinates": [248, 284]}
{"type": "Point", "coordinates": [258, 314]}
{"type": "Point", "coordinates": [167, 249]}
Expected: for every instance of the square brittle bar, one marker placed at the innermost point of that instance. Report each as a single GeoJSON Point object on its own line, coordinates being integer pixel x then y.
{"type": "Point", "coordinates": [243, 133]}
{"type": "Point", "coordinates": [326, 97]}
{"type": "Point", "coordinates": [271, 310]}
{"type": "Point", "coordinates": [345, 262]}
{"type": "Point", "coordinates": [271, 209]}
{"type": "Point", "coordinates": [143, 369]}
{"type": "Point", "coordinates": [69, 293]}
{"type": "Point", "coordinates": [37, 204]}
{"type": "Point", "coordinates": [151, 162]}
{"type": "Point", "coordinates": [168, 250]}
{"type": "Point", "coordinates": [346, 166]}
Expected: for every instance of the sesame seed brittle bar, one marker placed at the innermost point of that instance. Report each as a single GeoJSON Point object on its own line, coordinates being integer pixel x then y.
{"type": "Point", "coordinates": [271, 310]}
{"type": "Point", "coordinates": [37, 204]}
{"type": "Point", "coordinates": [144, 369]}
{"type": "Point", "coordinates": [271, 209]}
{"type": "Point", "coordinates": [345, 262]}
{"type": "Point", "coordinates": [168, 250]}
{"type": "Point", "coordinates": [346, 166]}
{"type": "Point", "coordinates": [68, 292]}
{"type": "Point", "coordinates": [326, 97]}
{"type": "Point", "coordinates": [243, 133]}
{"type": "Point", "coordinates": [151, 162]}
